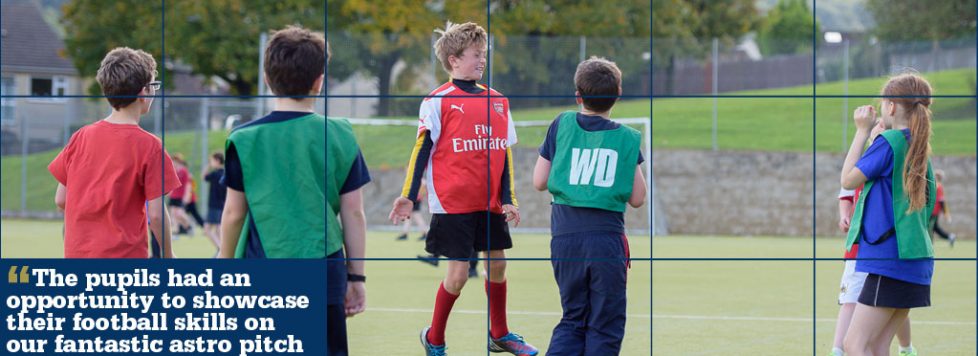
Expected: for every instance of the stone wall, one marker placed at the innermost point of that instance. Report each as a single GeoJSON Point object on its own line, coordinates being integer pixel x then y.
{"type": "Point", "coordinates": [724, 193]}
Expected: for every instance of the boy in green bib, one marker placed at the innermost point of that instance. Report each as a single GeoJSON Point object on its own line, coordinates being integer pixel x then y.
{"type": "Point", "coordinates": [592, 167]}
{"type": "Point", "coordinates": [290, 173]}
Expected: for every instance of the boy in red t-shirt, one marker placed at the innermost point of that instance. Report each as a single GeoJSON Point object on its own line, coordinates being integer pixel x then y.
{"type": "Point", "coordinates": [113, 167]}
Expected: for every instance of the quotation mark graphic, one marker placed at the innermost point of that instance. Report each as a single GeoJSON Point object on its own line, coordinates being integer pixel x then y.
{"type": "Point", "coordinates": [12, 276]}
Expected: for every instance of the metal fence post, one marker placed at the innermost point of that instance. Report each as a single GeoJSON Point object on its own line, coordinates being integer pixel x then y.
{"type": "Point", "coordinates": [24, 145]}
{"type": "Point", "coordinates": [716, 69]}
{"type": "Point", "coordinates": [583, 48]}
{"type": "Point", "coordinates": [204, 159]}
{"type": "Point", "coordinates": [845, 91]}
{"type": "Point", "coordinates": [261, 72]}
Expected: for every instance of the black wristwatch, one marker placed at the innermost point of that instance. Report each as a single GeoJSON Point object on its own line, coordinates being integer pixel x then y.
{"type": "Point", "coordinates": [350, 277]}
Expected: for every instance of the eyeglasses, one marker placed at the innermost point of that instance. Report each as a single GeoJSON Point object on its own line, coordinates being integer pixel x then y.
{"type": "Point", "coordinates": [155, 85]}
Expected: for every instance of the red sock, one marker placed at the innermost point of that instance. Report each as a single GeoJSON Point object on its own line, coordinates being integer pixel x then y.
{"type": "Point", "coordinates": [439, 319]}
{"type": "Point", "coordinates": [497, 308]}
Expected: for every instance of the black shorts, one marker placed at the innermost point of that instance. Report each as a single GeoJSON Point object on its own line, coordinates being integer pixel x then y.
{"type": "Point", "coordinates": [886, 292]}
{"type": "Point", "coordinates": [457, 235]}
{"type": "Point", "coordinates": [176, 203]}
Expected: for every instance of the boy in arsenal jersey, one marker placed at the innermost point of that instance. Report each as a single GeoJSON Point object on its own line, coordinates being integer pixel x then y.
{"type": "Point", "coordinates": [463, 153]}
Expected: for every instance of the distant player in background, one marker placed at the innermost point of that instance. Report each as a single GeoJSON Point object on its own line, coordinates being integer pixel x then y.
{"type": "Point", "coordinates": [940, 208]}
{"type": "Point", "coordinates": [417, 218]}
{"type": "Point", "coordinates": [592, 167]}
{"type": "Point", "coordinates": [432, 259]}
{"type": "Point", "coordinates": [462, 150]}
{"type": "Point", "coordinates": [112, 168]}
{"type": "Point", "coordinates": [181, 197]}
{"type": "Point", "coordinates": [191, 207]}
{"type": "Point", "coordinates": [217, 191]}
{"type": "Point", "coordinates": [189, 203]}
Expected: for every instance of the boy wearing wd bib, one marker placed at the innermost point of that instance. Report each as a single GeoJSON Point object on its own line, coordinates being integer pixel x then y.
{"type": "Point", "coordinates": [891, 217]}
{"type": "Point", "coordinates": [592, 167]}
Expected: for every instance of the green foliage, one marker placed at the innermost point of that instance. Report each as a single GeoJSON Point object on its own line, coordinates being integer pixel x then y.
{"type": "Point", "coordinates": [95, 27]}
{"type": "Point", "coordinates": [914, 20]}
{"type": "Point", "coordinates": [787, 29]}
{"type": "Point", "coordinates": [215, 38]}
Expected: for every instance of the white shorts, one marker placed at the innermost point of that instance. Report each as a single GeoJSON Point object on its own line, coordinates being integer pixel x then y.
{"type": "Point", "coordinates": [852, 284]}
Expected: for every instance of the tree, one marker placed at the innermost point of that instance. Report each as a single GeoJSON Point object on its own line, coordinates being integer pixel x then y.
{"type": "Point", "coordinates": [919, 22]}
{"type": "Point", "coordinates": [216, 38]}
{"type": "Point", "coordinates": [537, 44]}
{"type": "Point", "coordinates": [221, 37]}
{"type": "Point", "coordinates": [89, 38]}
{"type": "Point", "coordinates": [787, 29]}
{"type": "Point", "coordinates": [683, 28]}
{"type": "Point", "coordinates": [725, 20]}
{"type": "Point", "coordinates": [914, 20]}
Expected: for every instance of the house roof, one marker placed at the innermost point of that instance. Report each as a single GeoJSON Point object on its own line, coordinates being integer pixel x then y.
{"type": "Point", "coordinates": [27, 42]}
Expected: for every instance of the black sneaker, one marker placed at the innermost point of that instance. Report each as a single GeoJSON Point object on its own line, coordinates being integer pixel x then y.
{"type": "Point", "coordinates": [401, 237]}
{"type": "Point", "coordinates": [429, 259]}
{"type": "Point", "coordinates": [473, 273]}
{"type": "Point", "coordinates": [423, 237]}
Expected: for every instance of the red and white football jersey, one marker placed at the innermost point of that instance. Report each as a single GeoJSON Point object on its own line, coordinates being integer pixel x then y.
{"type": "Point", "coordinates": [471, 133]}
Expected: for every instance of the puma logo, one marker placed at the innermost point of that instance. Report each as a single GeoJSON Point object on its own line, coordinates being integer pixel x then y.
{"type": "Point", "coordinates": [458, 107]}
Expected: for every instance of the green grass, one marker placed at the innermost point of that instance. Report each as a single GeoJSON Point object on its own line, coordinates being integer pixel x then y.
{"type": "Point", "coordinates": [695, 307]}
{"type": "Point", "coordinates": [765, 124]}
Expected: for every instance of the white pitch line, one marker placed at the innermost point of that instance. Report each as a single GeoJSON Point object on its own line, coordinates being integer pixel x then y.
{"type": "Point", "coordinates": [662, 316]}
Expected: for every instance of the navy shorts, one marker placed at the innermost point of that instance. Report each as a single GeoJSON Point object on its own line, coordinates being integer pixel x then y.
{"type": "Point", "coordinates": [214, 215]}
{"type": "Point", "coordinates": [335, 278]}
{"type": "Point", "coordinates": [335, 311]}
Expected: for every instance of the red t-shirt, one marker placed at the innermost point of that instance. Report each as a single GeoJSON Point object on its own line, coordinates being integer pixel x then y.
{"type": "Point", "coordinates": [183, 175]}
{"type": "Point", "coordinates": [110, 172]}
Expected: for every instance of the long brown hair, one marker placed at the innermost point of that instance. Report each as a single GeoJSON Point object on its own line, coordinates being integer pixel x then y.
{"type": "Point", "coordinates": [913, 93]}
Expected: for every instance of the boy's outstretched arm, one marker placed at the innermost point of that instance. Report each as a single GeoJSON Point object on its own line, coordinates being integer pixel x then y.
{"type": "Point", "coordinates": [354, 241]}
{"type": "Point", "coordinates": [235, 210]}
{"type": "Point", "coordinates": [159, 222]}
{"type": "Point", "coordinates": [404, 204]}
{"type": "Point", "coordinates": [845, 214]}
{"type": "Point", "coordinates": [61, 197]}
{"type": "Point", "coordinates": [507, 195]}
{"type": "Point", "coordinates": [638, 189]}
{"type": "Point", "coordinates": [541, 174]}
